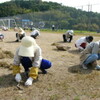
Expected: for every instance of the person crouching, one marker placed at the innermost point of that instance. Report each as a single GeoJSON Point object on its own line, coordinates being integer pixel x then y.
{"type": "Point", "coordinates": [68, 36]}
{"type": "Point", "coordinates": [35, 33]}
{"type": "Point", "coordinates": [82, 42]}
{"type": "Point", "coordinates": [29, 55]}
{"type": "Point", "coordinates": [1, 37]}
{"type": "Point", "coordinates": [21, 33]}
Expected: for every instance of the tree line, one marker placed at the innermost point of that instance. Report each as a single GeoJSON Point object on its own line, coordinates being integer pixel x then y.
{"type": "Point", "coordinates": [50, 13]}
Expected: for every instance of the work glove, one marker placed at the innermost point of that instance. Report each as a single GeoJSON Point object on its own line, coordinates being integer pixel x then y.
{"type": "Point", "coordinates": [33, 72]}
{"type": "Point", "coordinates": [29, 81]}
{"type": "Point", "coordinates": [16, 69]}
{"type": "Point", "coordinates": [18, 77]}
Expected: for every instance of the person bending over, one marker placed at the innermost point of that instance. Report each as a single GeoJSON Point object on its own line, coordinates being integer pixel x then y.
{"type": "Point", "coordinates": [29, 55]}
{"type": "Point", "coordinates": [68, 36]}
{"type": "Point", "coordinates": [90, 55]}
{"type": "Point", "coordinates": [82, 42]}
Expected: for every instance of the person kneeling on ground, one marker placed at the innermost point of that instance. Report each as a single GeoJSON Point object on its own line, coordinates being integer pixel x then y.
{"type": "Point", "coordinates": [35, 33]}
{"type": "Point", "coordinates": [83, 42]}
{"type": "Point", "coordinates": [29, 55]}
{"type": "Point", "coordinates": [90, 55]}
{"type": "Point", "coordinates": [1, 36]}
{"type": "Point", "coordinates": [20, 34]}
{"type": "Point", "coordinates": [68, 36]}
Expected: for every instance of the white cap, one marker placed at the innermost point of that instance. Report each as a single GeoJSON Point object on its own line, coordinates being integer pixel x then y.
{"type": "Point", "coordinates": [70, 32]}
{"type": "Point", "coordinates": [27, 47]}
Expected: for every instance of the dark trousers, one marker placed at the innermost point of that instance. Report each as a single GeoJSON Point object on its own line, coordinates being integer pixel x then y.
{"type": "Point", "coordinates": [53, 28]}
{"type": "Point", "coordinates": [65, 39]}
{"type": "Point", "coordinates": [70, 38]}
{"type": "Point", "coordinates": [19, 36]}
{"type": "Point", "coordinates": [27, 63]}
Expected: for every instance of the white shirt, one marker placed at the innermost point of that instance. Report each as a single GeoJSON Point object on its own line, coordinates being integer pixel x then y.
{"type": "Point", "coordinates": [80, 41]}
{"type": "Point", "coordinates": [36, 60]}
{"type": "Point", "coordinates": [35, 32]}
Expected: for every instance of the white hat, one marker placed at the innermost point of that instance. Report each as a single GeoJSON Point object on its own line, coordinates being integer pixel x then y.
{"type": "Point", "coordinates": [70, 32]}
{"type": "Point", "coordinates": [27, 47]}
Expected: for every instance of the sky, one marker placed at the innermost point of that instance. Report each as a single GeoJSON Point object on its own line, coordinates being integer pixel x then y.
{"type": "Point", "coordinates": [87, 5]}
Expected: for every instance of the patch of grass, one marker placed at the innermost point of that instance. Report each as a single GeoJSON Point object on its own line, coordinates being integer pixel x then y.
{"type": "Point", "coordinates": [49, 89]}
{"type": "Point", "coordinates": [65, 85]}
{"type": "Point", "coordinates": [1, 79]}
{"type": "Point", "coordinates": [76, 32]}
{"type": "Point", "coordinates": [77, 98]}
{"type": "Point", "coordinates": [54, 97]}
{"type": "Point", "coordinates": [18, 98]}
{"type": "Point", "coordinates": [5, 65]}
{"type": "Point", "coordinates": [9, 54]}
{"type": "Point", "coordinates": [6, 54]}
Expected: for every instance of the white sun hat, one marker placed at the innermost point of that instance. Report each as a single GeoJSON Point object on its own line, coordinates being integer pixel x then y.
{"type": "Point", "coordinates": [27, 47]}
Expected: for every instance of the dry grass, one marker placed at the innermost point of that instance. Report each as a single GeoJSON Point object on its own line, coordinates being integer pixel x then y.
{"type": "Point", "coordinates": [5, 54]}
{"type": "Point", "coordinates": [65, 80]}
{"type": "Point", "coordinates": [5, 64]}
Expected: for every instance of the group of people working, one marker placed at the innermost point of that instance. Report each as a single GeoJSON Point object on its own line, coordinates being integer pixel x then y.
{"type": "Point", "coordinates": [21, 33]}
{"type": "Point", "coordinates": [90, 51]}
{"type": "Point", "coordinates": [29, 55]}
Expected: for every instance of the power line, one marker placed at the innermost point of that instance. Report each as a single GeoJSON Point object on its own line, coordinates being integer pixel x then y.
{"type": "Point", "coordinates": [89, 6]}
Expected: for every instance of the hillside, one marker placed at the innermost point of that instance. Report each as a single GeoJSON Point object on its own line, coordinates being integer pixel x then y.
{"type": "Point", "coordinates": [51, 13]}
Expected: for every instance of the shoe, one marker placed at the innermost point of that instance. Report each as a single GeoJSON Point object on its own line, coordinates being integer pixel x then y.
{"type": "Point", "coordinates": [84, 66]}
{"type": "Point", "coordinates": [26, 73]}
{"type": "Point", "coordinates": [97, 67]}
{"type": "Point", "coordinates": [17, 41]}
{"type": "Point", "coordinates": [43, 71]}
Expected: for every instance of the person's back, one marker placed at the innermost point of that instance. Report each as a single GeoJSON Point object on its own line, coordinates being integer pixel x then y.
{"type": "Point", "coordinates": [90, 55]}
{"type": "Point", "coordinates": [35, 33]}
{"type": "Point", "coordinates": [69, 33]}
{"type": "Point", "coordinates": [68, 36]}
{"type": "Point", "coordinates": [21, 33]}
{"type": "Point", "coordinates": [1, 36]}
{"type": "Point", "coordinates": [82, 42]}
{"type": "Point", "coordinates": [4, 28]}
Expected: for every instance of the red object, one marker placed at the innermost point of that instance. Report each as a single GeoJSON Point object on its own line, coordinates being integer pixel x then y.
{"type": "Point", "coordinates": [83, 45]}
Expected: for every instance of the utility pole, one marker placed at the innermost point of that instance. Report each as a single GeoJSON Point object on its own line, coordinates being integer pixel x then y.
{"type": "Point", "coordinates": [89, 8]}
{"type": "Point", "coordinates": [89, 16]}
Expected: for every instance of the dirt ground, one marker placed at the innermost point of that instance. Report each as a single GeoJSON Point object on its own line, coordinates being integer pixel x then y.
{"type": "Point", "coordinates": [65, 79]}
